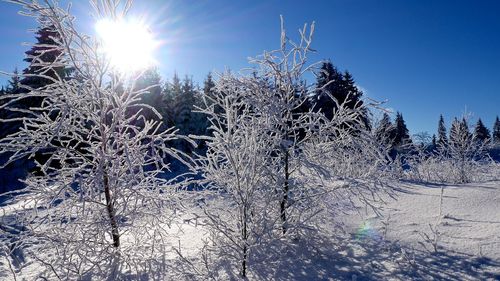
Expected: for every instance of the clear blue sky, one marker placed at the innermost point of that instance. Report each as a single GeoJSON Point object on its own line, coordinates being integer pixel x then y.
{"type": "Point", "coordinates": [426, 57]}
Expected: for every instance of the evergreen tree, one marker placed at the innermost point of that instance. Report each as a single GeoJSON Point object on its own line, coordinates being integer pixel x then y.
{"type": "Point", "coordinates": [13, 84]}
{"type": "Point", "coordinates": [329, 85]}
{"type": "Point", "coordinates": [47, 64]}
{"type": "Point", "coordinates": [385, 130]}
{"type": "Point", "coordinates": [209, 85]}
{"type": "Point", "coordinates": [496, 131]}
{"type": "Point", "coordinates": [170, 92]}
{"type": "Point", "coordinates": [44, 53]}
{"type": "Point", "coordinates": [481, 133]}
{"type": "Point", "coordinates": [209, 94]}
{"type": "Point", "coordinates": [463, 149]}
{"type": "Point", "coordinates": [442, 138]}
{"type": "Point", "coordinates": [7, 128]}
{"type": "Point", "coordinates": [335, 88]}
{"type": "Point", "coordinates": [401, 134]}
{"type": "Point", "coordinates": [185, 105]}
{"type": "Point", "coordinates": [459, 132]}
{"type": "Point", "coordinates": [434, 142]}
{"type": "Point", "coordinates": [351, 91]}
{"type": "Point", "coordinates": [150, 82]}
{"type": "Point", "coordinates": [353, 95]}
{"type": "Point", "coordinates": [184, 96]}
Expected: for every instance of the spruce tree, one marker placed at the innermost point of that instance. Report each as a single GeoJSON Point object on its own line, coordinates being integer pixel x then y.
{"type": "Point", "coordinates": [481, 133]}
{"type": "Point", "coordinates": [187, 121]}
{"type": "Point", "coordinates": [385, 130]}
{"type": "Point", "coordinates": [13, 83]}
{"type": "Point", "coordinates": [46, 52]}
{"type": "Point", "coordinates": [185, 105]}
{"type": "Point", "coordinates": [150, 82]}
{"type": "Point", "coordinates": [331, 83]}
{"type": "Point", "coordinates": [442, 139]}
{"type": "Point", "coordinates": [170, 92]}
{"type": "Point", "coordinates": [209, 85]}
{"type": "Point", "coordinates": [401, 135]}
{"type": "Point", "coordinates": [208, 97]}
{"type": "Point", "coordinates": [353, 95]}
{"type": "Point", "coordinates": [47, 64]}
{"type": "Point", "coordinates": [351, 91]}
{"type": "Point", "coordinates": [459, 132]}
{"type": "Point", "coordinates": [496, 131]}
{"type": "Point", "coordinates": [209, 93]}
{"type": "Point", "coordinates": [7, 128]}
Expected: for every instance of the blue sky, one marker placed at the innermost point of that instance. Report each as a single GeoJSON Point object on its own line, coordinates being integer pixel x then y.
{"type": "Point", "coordinates": [426, 57]}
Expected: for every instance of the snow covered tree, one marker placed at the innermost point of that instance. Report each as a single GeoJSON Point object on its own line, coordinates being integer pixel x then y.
{"type": "Point", "coordinates": [171, 90]}
{"type": "Point", "coordinates": [442, 140]}
{"type": "Point", "coordinates": [150, 81]}
{"type": "Point", "coordinates": [481, 133]}
{"type": "Point", "coordinates": [423, 139]}
{"type": "Point", "coordinates": [459, 131]}
{"type": "Point", "coordinates": [464, 151]}
{"type": "Point", "coordinates": [385, 130]}
{"type": "Point", "coordinates": [462, 160]}
{"type": "Point", "coordinates": [103, 180]}
{"type": "Point", "coordinates": [277, 83]}
{"type": "Point", "coordinates": [234, 169]}
{"type": "Point", "coordinates": [329, 82]}
{"type": "Point", "coordinates": [333, 88]}
{"type": "Point", "coordinates": [185, 104]}
{"type": "Point", "coordinates": [267, 160]}
{"type": "Point", "coordinates": [12, 88]}
{"type": "Point", "coordinates": [401, 133]}
{"type": "Point", "coordinates": [208, 94]}
{"type": "Point", "coordinates": [13, 83]}
{"type": "Point", "coordinates": [496, 131]}
{"type": "Point", "coordinates": [44, 52]}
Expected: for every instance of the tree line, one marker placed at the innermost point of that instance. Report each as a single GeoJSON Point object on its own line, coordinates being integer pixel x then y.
{"type": "Point", "coordinates": [176, 99]}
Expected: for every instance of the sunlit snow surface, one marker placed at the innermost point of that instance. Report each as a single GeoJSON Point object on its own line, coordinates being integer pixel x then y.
{"type": "Point", "coordinates": [387, 247]}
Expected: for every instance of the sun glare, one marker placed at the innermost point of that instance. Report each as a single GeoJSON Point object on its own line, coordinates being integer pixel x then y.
{"type": "Point", "coordinates": [129, 45]}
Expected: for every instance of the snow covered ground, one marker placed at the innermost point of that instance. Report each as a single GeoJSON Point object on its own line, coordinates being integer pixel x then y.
{"type": "Point", "coordinates": [467, 235]}
{"type": "Point", "coordinates": [395, 245]}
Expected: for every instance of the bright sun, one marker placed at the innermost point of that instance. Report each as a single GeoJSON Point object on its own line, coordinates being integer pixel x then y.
{"type": "Point", "coordinates": [129, 45]}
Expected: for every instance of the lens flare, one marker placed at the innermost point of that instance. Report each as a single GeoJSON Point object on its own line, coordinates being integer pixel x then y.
{"type": "Point", "coordinates": [366, 231]}
{"type": "Point", "coordinates": [129, 45]}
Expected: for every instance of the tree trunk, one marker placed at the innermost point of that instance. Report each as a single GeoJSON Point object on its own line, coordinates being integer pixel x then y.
{"type": "Point", "coordinates": [245, 246]}
{"type": "Point", "coordinates": [111, 211]}
{"type": "Point", "coordinates": [284, 199]}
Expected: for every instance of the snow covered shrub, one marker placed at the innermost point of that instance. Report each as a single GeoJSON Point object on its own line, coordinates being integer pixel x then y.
{"type": "Point", "coordinates": [463, 159]}
{"type": "Point", "coordinates": [234, 169]}
{"type": "Point", "coordinates": [272, 163]}
{"type": "Point", "coordinates": [355, 163]}
{"type": "Point", "coordinates": [310, 147]}
{"type": "Point", "coordinates": [98, 205]}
